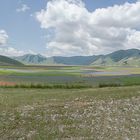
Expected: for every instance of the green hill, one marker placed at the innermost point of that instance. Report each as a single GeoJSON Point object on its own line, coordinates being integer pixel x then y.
{"type": "Point", "coordinates": [129, 57]}
{"type": "Point", "coordinates": [9, 61]}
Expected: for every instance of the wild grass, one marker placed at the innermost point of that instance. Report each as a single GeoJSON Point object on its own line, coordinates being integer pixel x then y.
{"type": "Point", "coordinates": [131, 80]}
{"type": "Point", "coordinates": [121, 81]}
{"type": "Point", "coordinates": [100, 113]}
{"type": "Point", "coordinates": [39, 73]}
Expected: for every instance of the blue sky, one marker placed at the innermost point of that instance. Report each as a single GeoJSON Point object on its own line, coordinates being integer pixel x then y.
{"type": "Point", "coordinates": [23, 30]}
{"type": "Point", "coordinates": [27, 32]}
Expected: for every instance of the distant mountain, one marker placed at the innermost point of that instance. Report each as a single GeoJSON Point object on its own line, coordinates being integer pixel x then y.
{"type": "Point", "coordinates": [118, 58]}
{"type": "Point", "coordinates": [75, 60]}
{"type": "Point", "coordinates": [9, 61]}
{"type": "Point", "coordinates": [129, 57]}
{"type": "Point", "coordinates": [39, 59]}
{"type": "Point", "coordinates": [121, 54]}
{"type": "Point", "coordinates": [31, 59]}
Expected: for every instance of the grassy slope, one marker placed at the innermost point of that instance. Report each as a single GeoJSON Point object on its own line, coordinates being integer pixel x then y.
{"type": "Point", "coordinates": [8, 61]}
{"type": "Point", "coordinates": [108, 113]}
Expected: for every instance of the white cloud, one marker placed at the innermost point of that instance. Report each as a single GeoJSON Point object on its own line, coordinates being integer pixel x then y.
{"type": "Point", "coordinates": [133, 40]}
{"type": "Point", "coordinates": [6, 50]}
{"type": "Point", "coordinates": [3, 37]}
{"type": "Point", "coordinates": [80, 32]}
{"type": "Point", "coordinates": [126, 16]}
{"type": "Point", "coordinates": [31, 52]}
{"type": "Point", "coordinates": [23, 8]}
{"type": "Point", "coordinates": [10, 51]}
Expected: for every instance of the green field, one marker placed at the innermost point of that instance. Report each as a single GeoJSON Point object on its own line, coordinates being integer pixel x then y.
{"type": "Point", "coordinates": [50, 103]}
{"type": "Point", "coordinates": [84, 75]}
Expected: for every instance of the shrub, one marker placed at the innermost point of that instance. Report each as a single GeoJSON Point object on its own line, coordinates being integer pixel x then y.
{"type": "Point", "coordinates": [102, 85]}
{"type": "Point", "coordinates": [49, 86]}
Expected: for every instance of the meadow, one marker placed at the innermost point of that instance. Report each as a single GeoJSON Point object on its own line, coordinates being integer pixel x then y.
{"type": "Point", "coordinates": [89, 76]}
{"type": "Point", "coordinates": [40, 114]}
{"type": "Point", "coordinates": [70, 103]}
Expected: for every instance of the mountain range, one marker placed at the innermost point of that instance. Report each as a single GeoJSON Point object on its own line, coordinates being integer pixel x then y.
{"type": "Point", "coordinates": [129, 57]}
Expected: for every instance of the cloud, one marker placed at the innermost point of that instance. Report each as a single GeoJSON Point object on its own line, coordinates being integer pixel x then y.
{"type": "Point", "coordinates": [5, 49]}
{"type": "Point", "coordinates": [23, 8]}
{"type": "Point", "coordinates": [10, 51]}
{"type": "Point", "coordinates": [78, 31]}
{"type": "Point", "coordinates": [3, 37]}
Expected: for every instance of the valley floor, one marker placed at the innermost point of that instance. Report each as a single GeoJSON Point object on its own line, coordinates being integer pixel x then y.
{"type": "Point", "coordinates": [75, 114]}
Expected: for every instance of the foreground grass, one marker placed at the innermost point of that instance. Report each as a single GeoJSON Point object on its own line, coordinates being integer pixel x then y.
{"type": "Point", "coordinates": [39, 114]}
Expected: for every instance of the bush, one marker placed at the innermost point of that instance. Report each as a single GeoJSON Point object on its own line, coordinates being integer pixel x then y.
{"type": "Point", "coordinates": [49, 86]}
{"type": "Point", "coordinates": [102, 85]}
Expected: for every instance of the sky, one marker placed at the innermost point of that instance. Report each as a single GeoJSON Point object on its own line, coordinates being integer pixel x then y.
{"type": "Point", "coordinates": [68, 27]}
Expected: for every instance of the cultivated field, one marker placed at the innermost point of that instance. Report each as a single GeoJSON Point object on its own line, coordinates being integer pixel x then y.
{"type": "Point", "coordinates": [47, 103]}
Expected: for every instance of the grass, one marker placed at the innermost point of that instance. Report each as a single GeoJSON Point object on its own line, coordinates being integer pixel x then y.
{"type": "Point", "coordinates": [121, 81]}
{"type": "Point", "coordinates": [62, 70]}
{"type": "Point", "coordinates": [131, 81]}
{"type": "Point", "coordinates": [63, 74]}
{"type": "Point", "coordinates": [36, 107]}
{"type": "Point", "coordinates": [39, 73]}
{"type": "Point", "coordinates": [106, 113]}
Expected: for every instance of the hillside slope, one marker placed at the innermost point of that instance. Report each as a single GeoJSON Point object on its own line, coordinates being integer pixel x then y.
{"type": "Point", "coordinates": [129, 57]}
{"type": "Point", "coordinates": [9, 61]}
